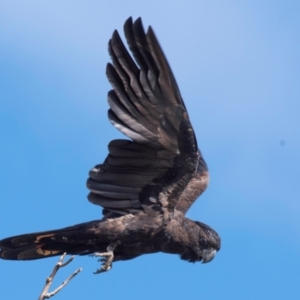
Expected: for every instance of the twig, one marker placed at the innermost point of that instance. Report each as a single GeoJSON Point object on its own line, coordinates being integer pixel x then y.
{"type": "Point", "coordinates": [60, 264]}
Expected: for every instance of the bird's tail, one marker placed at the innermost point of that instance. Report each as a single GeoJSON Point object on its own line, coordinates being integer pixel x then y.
{"type": "Point", "coordinates": [80, 239]}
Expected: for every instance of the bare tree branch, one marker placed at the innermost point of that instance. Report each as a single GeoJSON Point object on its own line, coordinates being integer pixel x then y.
{"type": "Point", "coordinates": [60, 264]}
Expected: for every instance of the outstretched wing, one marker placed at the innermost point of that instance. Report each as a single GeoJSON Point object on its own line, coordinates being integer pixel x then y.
{"type": "Point", "coordinates": [161, 166]}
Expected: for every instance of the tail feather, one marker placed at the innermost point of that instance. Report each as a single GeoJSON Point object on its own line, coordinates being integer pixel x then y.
{"type": "Point", "coordinates": [79, 239]}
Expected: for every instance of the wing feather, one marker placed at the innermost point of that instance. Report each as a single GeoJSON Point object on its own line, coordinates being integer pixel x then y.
{"type": "Point", "coordinates": [162, 161]}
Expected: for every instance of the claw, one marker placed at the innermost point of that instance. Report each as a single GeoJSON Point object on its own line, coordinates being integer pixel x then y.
{"type": "Point", "coordinates": [106, 258]}
{"type": "Point", "coordinates": [106, 261]}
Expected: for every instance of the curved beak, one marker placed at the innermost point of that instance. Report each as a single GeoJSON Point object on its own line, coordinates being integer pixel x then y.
{"type": "Point", "coordinates": [208, 255]}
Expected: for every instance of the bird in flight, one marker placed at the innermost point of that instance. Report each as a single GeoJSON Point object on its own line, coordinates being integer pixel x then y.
{"type": "Point", "coordinates": [148, 182]}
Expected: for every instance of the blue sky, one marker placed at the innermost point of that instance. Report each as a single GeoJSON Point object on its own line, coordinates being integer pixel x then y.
{"type": "Point", "coordinates": [237, 64]}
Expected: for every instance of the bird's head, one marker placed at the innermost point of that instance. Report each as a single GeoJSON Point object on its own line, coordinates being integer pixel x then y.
{"type": "Point", "coordinates": [209, 242]}
{"type": "Point", "coordinates": [206, 243]}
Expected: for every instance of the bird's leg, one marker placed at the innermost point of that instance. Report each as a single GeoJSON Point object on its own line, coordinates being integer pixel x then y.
{"type": "Point", "coordinates": [107, 257]}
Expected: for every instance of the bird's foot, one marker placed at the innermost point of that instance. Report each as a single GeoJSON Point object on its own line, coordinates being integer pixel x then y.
{"type": "Point", "coordinates": [106, 258]}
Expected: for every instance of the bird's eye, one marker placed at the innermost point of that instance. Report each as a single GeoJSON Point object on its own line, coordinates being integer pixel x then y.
{"type": "Point", "coordinates": [203, 241]}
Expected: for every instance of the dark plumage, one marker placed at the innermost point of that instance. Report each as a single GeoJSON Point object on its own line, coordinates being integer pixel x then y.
{"type": "Point", "coordinates": [146, 184]}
